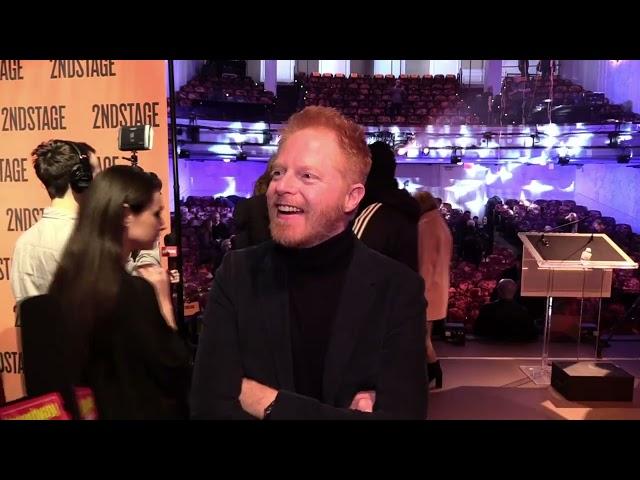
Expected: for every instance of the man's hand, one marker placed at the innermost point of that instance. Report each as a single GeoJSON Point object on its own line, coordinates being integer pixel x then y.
{"type": "Point", "coordinates": [364, 401]}
{"type": "Point", "coordinates": [255, 397]}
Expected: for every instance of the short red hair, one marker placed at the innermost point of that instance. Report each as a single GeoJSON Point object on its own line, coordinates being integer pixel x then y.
{"type": "Point", "coordinates": [350, 135]}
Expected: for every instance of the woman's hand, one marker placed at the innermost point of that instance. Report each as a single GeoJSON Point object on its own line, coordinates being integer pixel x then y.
{"type": "Point", "coordinates": [159, 278]}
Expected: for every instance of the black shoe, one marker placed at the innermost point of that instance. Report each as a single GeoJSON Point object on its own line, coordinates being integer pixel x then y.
{"type": "Point", "coordinates": [434, 372]}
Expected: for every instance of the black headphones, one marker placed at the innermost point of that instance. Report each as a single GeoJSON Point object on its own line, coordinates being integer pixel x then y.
{"type": "Point", "coordinates": [81, 173]}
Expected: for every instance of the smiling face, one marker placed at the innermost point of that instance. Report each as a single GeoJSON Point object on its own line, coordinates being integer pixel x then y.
{"type": "Point", "coordinates": [310, 197]}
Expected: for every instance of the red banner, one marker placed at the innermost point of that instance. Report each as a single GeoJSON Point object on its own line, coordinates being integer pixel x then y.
{"type": "Point", "coordinates": [45, 407]}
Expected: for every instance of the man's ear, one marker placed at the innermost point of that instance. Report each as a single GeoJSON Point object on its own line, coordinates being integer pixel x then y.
{"type": "Point", "coordinates": [353, 197]}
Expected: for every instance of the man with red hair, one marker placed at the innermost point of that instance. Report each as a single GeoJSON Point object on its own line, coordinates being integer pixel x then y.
{"type": "Point", "coordinates": [313, 324]}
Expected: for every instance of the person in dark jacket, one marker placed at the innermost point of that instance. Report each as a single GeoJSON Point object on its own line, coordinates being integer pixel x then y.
{"type": "Point", "coordinates": [388, 216]}
{"type": "Point", "coordinates": [252, 216]}
{"type": "Point", "coordinates": [505, 319]}
{"type": "Point", "coordinates": [106, 324]}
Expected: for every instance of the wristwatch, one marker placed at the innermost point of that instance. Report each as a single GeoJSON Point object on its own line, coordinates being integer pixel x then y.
{"type": "Point", "coordinates": [267, 410]}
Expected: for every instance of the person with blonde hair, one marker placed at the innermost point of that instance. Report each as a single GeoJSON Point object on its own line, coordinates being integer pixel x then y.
{"type": "Point", "coordinates": [313, 324]}
{"type": "Point", "coordinates": [435, 246]}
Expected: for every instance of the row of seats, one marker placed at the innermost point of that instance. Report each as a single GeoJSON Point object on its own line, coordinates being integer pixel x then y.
{"type": "Point", "coordinates": [587, 106]}
{"type": "Point", "coordinates": [367, 99]}
{"type": "Point", "coordinates": [429, 100]}
{"type": "Point", "coordinates": [378, 77]}
{"type": "Point", "coordinates": [471, 285]}
{"type": "Point", "coordinates": [205, 89]}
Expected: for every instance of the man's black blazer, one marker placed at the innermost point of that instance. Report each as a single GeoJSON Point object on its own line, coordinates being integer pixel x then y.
{"type": "Point", "coordinates": [377, 342]}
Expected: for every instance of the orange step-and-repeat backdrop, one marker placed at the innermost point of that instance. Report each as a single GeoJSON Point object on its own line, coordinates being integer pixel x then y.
{"type": "Point", "coordinates": [77, 100]}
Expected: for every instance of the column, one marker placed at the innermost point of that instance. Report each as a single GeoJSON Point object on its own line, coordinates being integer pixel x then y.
{"type": "Point", "coordinates": [271, 76]}
{"type": "Point", "coordinates": [493, 75]}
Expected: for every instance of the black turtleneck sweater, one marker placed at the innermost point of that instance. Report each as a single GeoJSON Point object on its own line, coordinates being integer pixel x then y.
{"type": "Point", "coordinates": [315, 280]}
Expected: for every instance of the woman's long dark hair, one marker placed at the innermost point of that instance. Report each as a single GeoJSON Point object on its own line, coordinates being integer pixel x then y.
{"type": "Point", "coordinates": [88, 277]}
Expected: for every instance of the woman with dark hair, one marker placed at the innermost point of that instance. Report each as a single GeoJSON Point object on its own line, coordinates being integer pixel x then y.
{"type": "Point", "coordinates": [147, 264]}
{"type": "Point", "coordinates": [119, 343]}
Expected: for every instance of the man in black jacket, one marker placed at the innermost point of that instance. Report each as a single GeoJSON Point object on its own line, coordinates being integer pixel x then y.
{"type": "Point", "coordinates": [505, 319]}
{"type": "Point", "coordinates": [252, 216]}
{"type": "Point", "coordinates": [313, 325]}
{"type": "Point", "coordinates": [388, 219]}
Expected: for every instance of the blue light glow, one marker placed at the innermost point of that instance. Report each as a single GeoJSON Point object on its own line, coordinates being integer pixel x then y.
{"type": "Point", "coordinates": [463, 187]}
{"type": "Point", "coordinates": [536, 188]}
{"type": "Point", "coordinates": [505, 174]}
{"type": "Point", "coordinates": [223, 149]}
{"type": "Point", "coordinates": [478, 204]}
{"type": "Point", "coordinates": [570, 188]}
{"type": "Point", "coordinates": [231, 187]}
{"type": "Point", "coordinates": [410, 184]}
{"type": "Point", "coordinates": [524, 200]}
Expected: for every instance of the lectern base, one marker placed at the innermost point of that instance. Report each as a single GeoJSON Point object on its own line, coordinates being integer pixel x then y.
{"type": "Point", "coordinates": [592, 381]}
{"type": "Point", "coordinates": [538, 374]}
